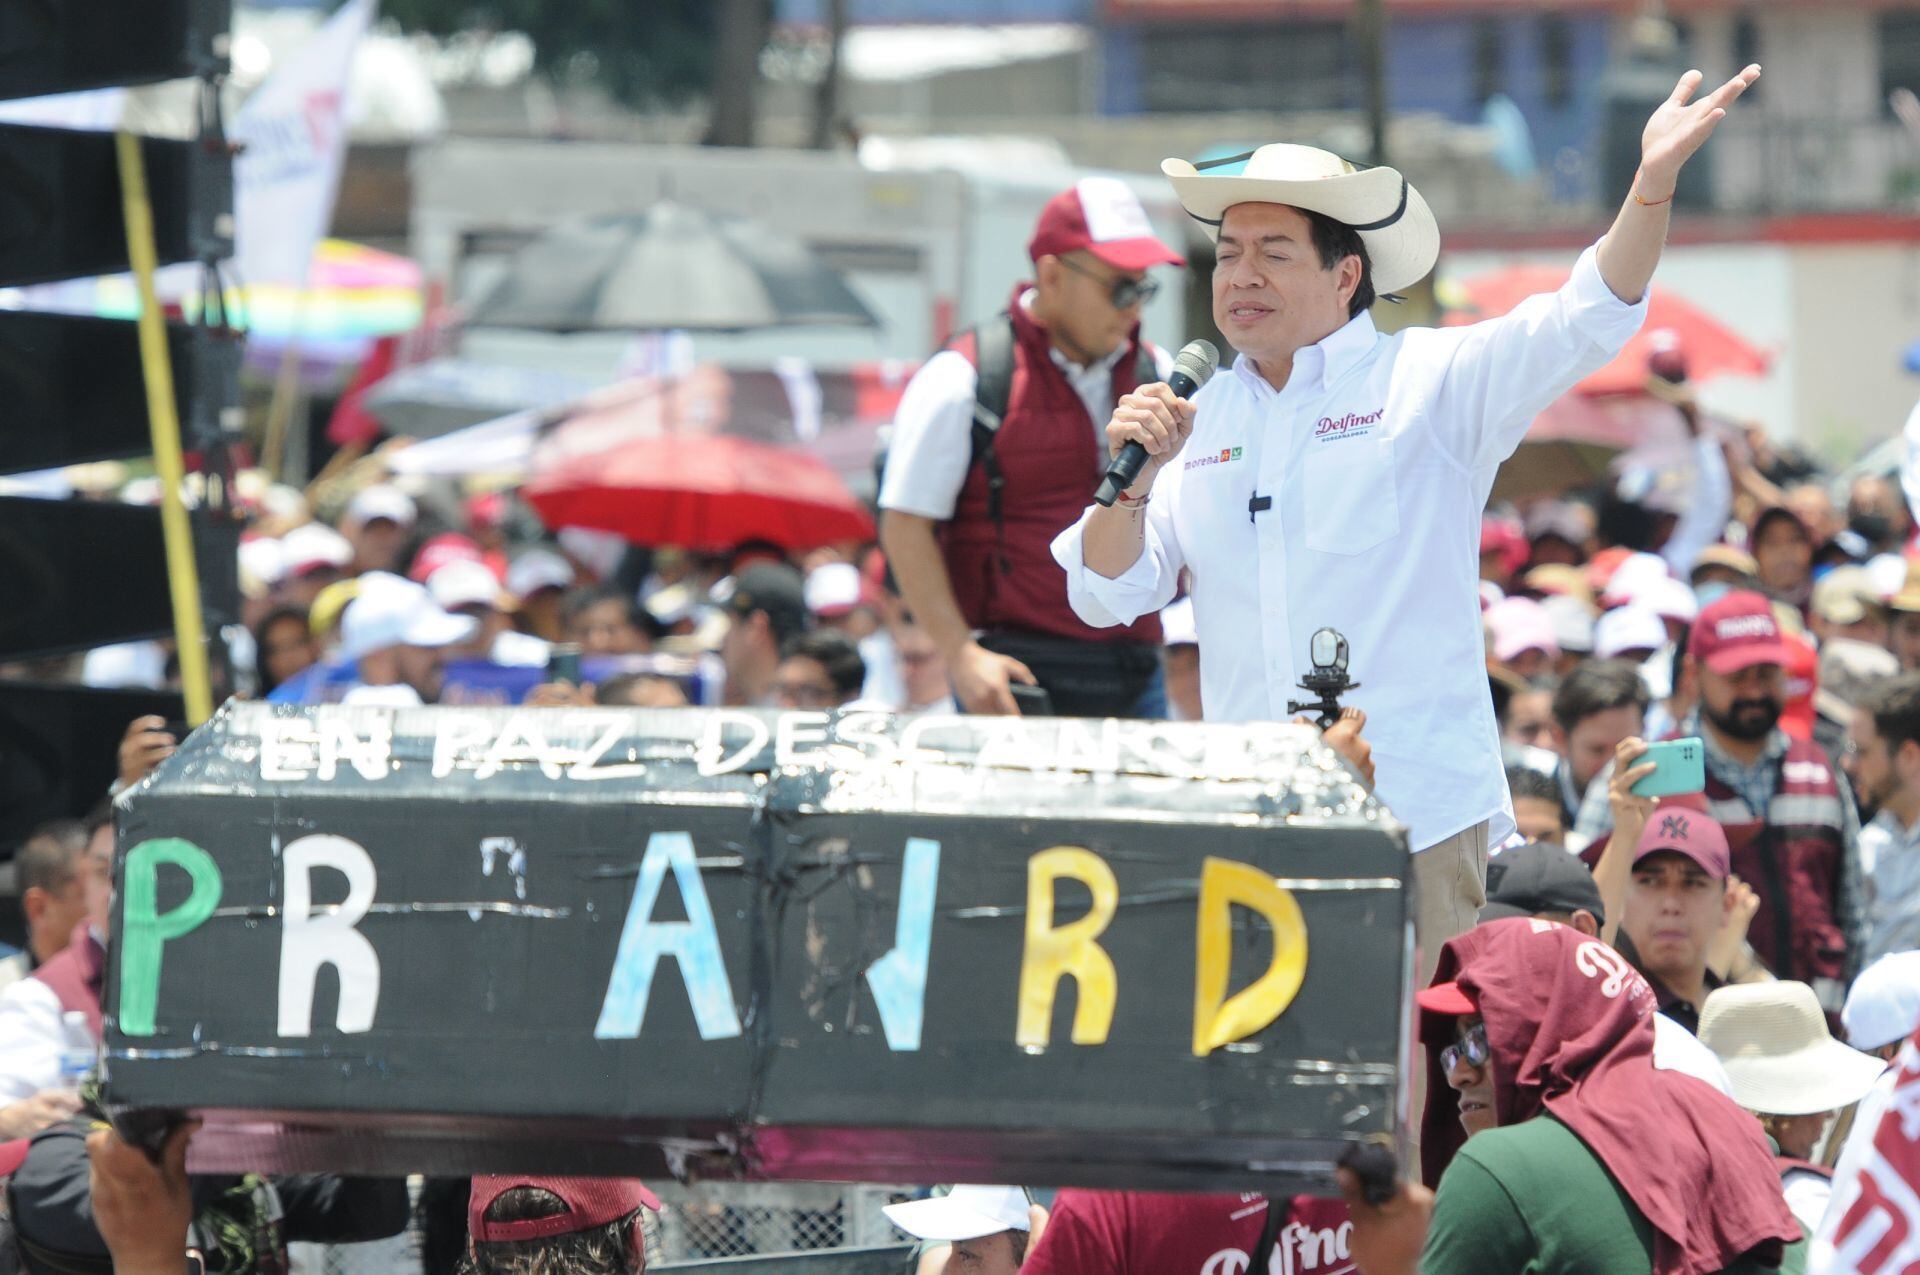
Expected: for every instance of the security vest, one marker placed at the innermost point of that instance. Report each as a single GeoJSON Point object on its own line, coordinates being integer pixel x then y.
{"type": "Point", "coordinates": [1004, 576]}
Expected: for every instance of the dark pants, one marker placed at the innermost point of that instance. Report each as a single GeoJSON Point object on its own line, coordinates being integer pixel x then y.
{"type": "Point", "coordinates": [1090, 679]}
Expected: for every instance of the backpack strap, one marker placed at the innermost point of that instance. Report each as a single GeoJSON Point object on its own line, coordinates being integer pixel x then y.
{"type": "Point", "coordinates": [1146, 370]}
{"type": "Point", "coordinates": [994, 350]}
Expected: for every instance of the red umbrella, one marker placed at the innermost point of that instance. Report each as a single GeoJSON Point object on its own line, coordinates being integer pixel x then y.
{"type": "Point", "coordinates": [1710, 348]}
{"type": "Point", "coordinates": [706, 492]}
{"type": "Point", "coordinates": [1568, 445]}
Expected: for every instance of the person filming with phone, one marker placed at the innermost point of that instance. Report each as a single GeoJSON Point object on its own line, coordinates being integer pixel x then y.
{"type": "Point", "coordinates": [1788, 816]}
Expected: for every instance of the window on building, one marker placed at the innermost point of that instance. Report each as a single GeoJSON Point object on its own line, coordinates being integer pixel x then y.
{"type": "Point", "coordinates": [1556, 59]}
{"type": "Point", "coordinates": [1301, 66]}
{"type": "Point", "coordinates": [1899, 53]}
{"type": "Point", "coordinates": [1488, 74]}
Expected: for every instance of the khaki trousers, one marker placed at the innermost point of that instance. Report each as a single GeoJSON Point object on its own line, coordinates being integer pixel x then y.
{"type": "Point", "coordinates": [1449, 889]}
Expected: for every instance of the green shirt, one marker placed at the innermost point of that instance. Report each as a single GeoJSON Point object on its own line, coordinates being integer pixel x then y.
{"type": "Point", "coordinates": [1531, 1199]}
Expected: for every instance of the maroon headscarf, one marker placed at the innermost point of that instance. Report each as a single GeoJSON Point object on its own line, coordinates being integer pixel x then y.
{"type": "Point", "coordinates": [1570, 1026]}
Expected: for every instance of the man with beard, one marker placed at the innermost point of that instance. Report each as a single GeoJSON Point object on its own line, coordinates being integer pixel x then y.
{"type": "Point", "coordinates": [1789, 816]}
{"type": "Point", "coordinates": [1884, 763]}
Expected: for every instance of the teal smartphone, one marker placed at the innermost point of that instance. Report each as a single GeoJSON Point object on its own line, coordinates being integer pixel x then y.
{"type": "Point", "coordinates": [1680, 767]}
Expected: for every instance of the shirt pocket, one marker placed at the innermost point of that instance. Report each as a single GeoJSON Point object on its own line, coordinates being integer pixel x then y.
{"type": "Point", "coordinates": [1353, 500]}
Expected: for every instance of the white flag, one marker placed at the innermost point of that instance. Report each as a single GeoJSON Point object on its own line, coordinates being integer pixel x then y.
{"type": "Point", "coordinates": [94, 110]}
{"type": "Point", "coordinates": [294, 133]}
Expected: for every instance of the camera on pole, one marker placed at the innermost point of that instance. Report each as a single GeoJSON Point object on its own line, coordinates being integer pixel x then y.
{"type": "Point", "coordinates": [1328, 681]}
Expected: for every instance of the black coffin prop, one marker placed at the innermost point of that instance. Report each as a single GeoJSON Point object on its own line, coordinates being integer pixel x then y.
{"type": "Point", "coordinates": [845, 981]}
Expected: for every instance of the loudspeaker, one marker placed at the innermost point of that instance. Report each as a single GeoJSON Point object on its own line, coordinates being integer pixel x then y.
{"type": "Point", "coordinates": [59, 749]}
{"type": "Point", "coordinates": [58, 46]}
{"type": "Point", "coordinates": [74, 390]}
{"type": "Point", "coordinates": [77, 574]}
{"type": "Point", "coordinates": [60, 209]}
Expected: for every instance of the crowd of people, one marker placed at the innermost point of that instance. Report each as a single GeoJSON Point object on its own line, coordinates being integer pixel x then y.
{"type": "Point", "coordinates": [400, 599]}
{"type": "Point", "coordinates": [1643, 1019]}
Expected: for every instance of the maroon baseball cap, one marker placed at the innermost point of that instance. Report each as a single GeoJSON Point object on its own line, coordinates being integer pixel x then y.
{"type": "Point", "coordinates": [1103, 216]}
{"type": "Point", "coordinates": [590, 1202]}
{"type": "Point", "coordinates": [1446, 998]}
{"type": "Point", "coordinates": [1737, 631]}
{"type": "Point", "coordinates": [1680, 831]}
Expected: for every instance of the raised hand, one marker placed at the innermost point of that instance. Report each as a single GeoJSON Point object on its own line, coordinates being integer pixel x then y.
{"type": "Point", "coordinates": [1682, 126]}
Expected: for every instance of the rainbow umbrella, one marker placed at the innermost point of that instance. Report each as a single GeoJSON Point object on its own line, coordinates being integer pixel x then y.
{"type": "Point", "coordinates": [357, 294]}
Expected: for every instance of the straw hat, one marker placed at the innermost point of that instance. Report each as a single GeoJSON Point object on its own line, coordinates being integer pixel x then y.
{"type": "Point", "coordinates": [1908, 598]}
{"type": "Point", "coordinates": [1774, 1042]}
{"type": "Point", "coordinates": [1394, 222]}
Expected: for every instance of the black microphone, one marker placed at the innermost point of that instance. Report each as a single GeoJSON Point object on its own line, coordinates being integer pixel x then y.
{"type": "Point", "coordinates": [1192, 368]}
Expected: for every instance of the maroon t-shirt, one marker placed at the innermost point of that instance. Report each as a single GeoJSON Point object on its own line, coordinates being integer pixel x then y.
{"type": "Point", "coordinates": [1140, 1233]}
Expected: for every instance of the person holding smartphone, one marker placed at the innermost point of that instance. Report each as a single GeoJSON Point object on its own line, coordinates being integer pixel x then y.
{"type": "Point", "coordinates": [1788, 813]}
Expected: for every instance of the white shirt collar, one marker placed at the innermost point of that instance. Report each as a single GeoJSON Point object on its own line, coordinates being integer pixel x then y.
{"type": "Point", "coordinates": [1326, 360]}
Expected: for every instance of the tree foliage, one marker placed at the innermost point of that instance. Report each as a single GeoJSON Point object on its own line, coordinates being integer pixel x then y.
{"type": "Point", "coordinates": [644, 52]}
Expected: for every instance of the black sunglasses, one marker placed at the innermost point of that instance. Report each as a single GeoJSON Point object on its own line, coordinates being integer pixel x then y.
{"type": "Point", "coordinates": [1126, 293]}
{"type": "Point", "coordinates": [1472, 1047]}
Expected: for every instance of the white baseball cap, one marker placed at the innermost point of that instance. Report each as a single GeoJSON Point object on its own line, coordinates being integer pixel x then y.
{"type": "Point", "coordinates": [538, 569]}
{"type": "Point", "coordinates": [1628, 628]}
{"type": "Point", "coordinates": [1572, 622]}
{"type": "Point", "coordinates": [1883, 1005]}
{"type": "Point", "coordinates": [463, 583]}
{"type": "Point", "coordinates": [1668, 598]}
{"type": "Point", "coordinates": [832, 588]}
{"type": "Point", "coordinates": [396, 612]}
{"type": "Point", "coordinates": [263, 561]}
{"type": "Point", "coordinates": [1633, 574]}
{"type": "Point", "coordinates": [382, 500]}
{"type": "Point", "coordinates": [966, 1213]}
{"type": "Point", "coordinates": [311, 546]}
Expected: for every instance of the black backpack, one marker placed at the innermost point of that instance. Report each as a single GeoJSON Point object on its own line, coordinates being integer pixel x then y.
{"type": "Point", "coordinates": [994, 345]}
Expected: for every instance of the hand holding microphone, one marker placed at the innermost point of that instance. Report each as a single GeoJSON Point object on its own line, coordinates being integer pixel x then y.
{"type": "Point", "coordinates": [1154, 420]}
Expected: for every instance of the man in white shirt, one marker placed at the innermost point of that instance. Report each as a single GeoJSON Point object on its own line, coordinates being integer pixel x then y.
{"type": "Point", "coordinates": [1885, 726]}
{"type": "Point", "coordinates": [398, 637]}
{"type": "Point", "coordinates": [998, 440]}
{"type": "Point", "coordinates": [1336, 477]}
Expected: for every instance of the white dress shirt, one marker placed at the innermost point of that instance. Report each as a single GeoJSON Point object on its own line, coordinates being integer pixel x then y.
{"type": "Point", "coordinates": [1890, 869]}
{"type": "Point", "coordinates": [31, 1038]}
{"type": "Point", "coordinates": [1378, 457]}
{"type": "Point", "coordinates": [932, 443]}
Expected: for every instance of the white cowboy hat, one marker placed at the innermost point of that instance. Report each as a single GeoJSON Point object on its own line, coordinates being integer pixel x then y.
{"type": "Point", "coordinates": [1773, 1040]}
{"type": "Point", "coordinates": [1402, 238]}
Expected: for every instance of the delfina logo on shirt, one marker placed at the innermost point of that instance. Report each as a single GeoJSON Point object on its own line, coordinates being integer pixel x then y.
{"type": "Point", "coordinates": [1350, 424]}
{"type": "Point", "coordinates": [1224, 455]}
{"type": "Point", "coordinates": [1297, 1250]}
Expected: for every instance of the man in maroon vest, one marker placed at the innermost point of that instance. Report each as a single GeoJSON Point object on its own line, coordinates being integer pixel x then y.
{"type": "Point", "coordinates": [968, 535]}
